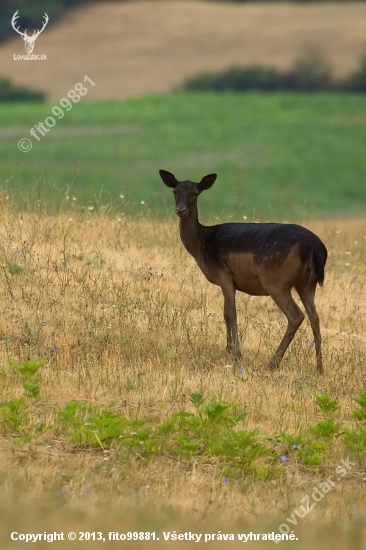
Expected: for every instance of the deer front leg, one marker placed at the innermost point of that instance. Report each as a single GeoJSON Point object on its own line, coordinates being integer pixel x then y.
{"type": "Point", "coordinates": [231, 320]}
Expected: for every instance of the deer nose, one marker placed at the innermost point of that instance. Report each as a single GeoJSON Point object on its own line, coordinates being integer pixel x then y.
{"type": "Point", "coordinates": [181, 210]}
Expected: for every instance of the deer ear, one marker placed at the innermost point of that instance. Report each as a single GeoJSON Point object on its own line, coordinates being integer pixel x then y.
{"type": "Point", "coordinates": [168, 178]}
{"type": "Point", "coordinates": [206, 182]}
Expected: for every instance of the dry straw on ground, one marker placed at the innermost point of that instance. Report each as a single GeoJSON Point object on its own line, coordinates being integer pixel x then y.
{"type": "Point", "coordinates": [119, 311]}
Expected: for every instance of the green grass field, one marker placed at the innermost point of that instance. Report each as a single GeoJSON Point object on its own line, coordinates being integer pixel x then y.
{"type": "Point", "coordinates": [277, 155]}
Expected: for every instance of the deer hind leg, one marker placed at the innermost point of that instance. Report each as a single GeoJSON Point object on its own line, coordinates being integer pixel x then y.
{"type": "Point", "coordinates": [294, 316]}
{"type": "Point", "coordinates": [230, 317]}
{"type": "Point", "coordinates": [307, 295]}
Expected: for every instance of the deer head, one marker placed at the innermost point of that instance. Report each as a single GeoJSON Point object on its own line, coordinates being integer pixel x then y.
{"type": "Point", "coordinates": [186, 192]}
{"type": "Point", "coordinates": [28, 40]}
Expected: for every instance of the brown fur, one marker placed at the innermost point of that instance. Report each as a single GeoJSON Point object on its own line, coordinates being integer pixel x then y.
{"type": "Point", "coordinates": [258, 259]}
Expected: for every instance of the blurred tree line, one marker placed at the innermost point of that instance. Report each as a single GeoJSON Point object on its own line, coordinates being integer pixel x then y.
{"type": "Point", "coordinates": [309, 74]}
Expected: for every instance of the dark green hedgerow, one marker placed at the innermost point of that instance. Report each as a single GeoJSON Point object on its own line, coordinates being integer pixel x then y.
{"type": "Point", "coordinates": [310, 74]}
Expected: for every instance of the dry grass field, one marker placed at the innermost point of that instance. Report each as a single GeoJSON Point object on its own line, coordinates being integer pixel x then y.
{"type": "Point", "coordinates": [133, 48]}
{"type": "Point", "coordinates": [120, 313]}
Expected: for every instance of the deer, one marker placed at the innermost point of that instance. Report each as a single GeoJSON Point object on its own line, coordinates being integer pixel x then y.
{"type": "Point", "coordinates": [29, 41]}
{"type": "Point", "coordinates": [259, 259]}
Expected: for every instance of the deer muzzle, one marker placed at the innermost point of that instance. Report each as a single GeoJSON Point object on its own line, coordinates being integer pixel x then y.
{"type": "Point", "coordinates": [181, 211]}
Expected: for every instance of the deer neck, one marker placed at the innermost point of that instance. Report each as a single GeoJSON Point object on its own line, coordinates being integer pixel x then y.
{"type": "Point", "coordinates": [191, 233]}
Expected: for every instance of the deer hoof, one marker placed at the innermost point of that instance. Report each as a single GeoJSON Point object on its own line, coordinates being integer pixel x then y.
{"type": "Point", "coordinates": [236, 354]}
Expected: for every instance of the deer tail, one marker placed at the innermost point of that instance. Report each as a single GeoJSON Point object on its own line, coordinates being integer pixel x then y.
{"type": "Point", "coordinates": [319, 258]}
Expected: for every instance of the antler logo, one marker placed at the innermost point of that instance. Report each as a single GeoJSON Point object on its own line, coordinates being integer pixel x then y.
{"type": "Point", "coordinates": [29, 41]}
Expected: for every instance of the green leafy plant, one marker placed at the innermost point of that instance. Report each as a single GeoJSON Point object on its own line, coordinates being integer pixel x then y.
{"type": "Point", "coordinates": [326, 404]}
{"type": "Point", "coordinates": [95, 426]}
{"type": "Point", "coordinates": [209, 432]}
{"type": "Point", "coordinates": [27, 372]}
{"type": "Point", "coordinates": [312, 453]}
{"type": "Point", "coordinates": [308, 451]}
{"type": "Point", "coordinates": [360, 414]}
{"type": "Point", "coordinates": [13, 415]}
{"type": "Point", "coordinates": [293, 441]}
{"type": "Point", "coordinates": [325, 429]}
{"type": "Point", "coordinates": [356, 440]}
